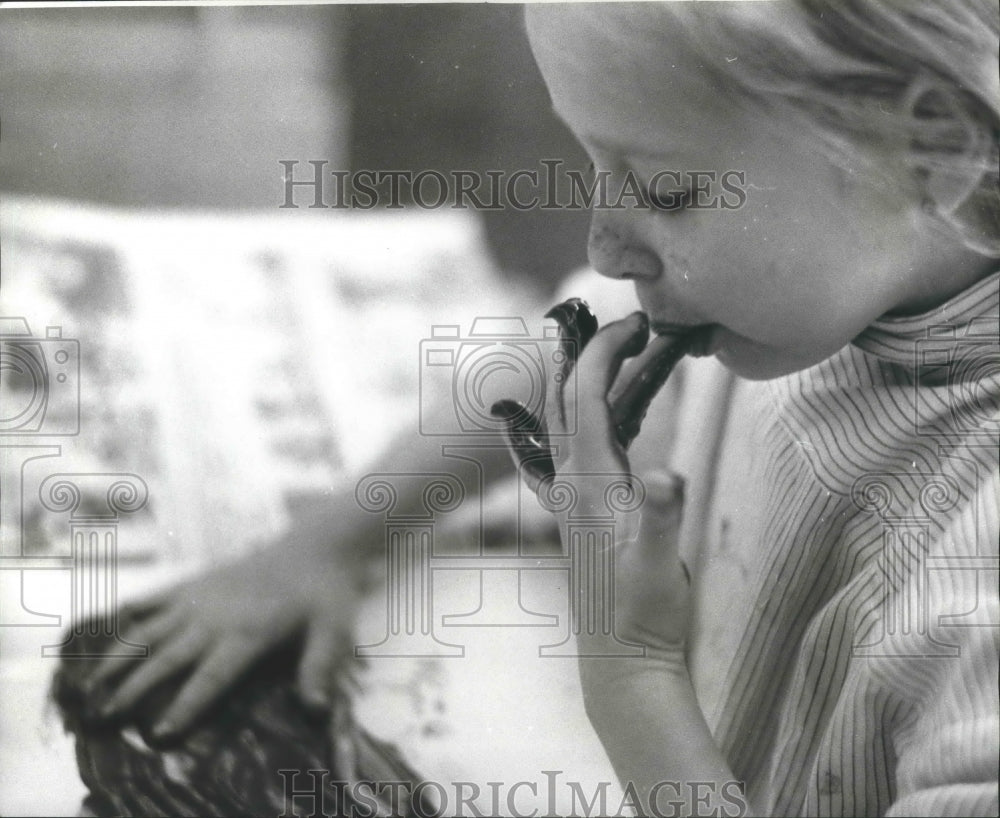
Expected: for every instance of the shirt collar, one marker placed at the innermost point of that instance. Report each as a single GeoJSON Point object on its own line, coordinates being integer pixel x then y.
{"type": "Point", "coordinates": [972, 315]}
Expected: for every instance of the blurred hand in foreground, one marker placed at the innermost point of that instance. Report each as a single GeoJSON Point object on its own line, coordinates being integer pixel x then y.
{"type": "Point", "coordinates": [211, 629]}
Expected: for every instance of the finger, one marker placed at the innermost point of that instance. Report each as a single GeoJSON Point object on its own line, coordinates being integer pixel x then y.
{"type": "Point", "coordinates": [149, 632]}
{"type": "Point", "coordinates": [526, 441]}
{"type": "Point", "coordinates": [577, 326]}
{"type": "Point", "coordinates": [597, 369]}
{"type": "Point", "coordinates": [658, 541]}
{"type": "Point", "coordinates": [632, 394]}
{"type": "Point", "coordinates": [149, 603]}
{"type": "Point", "coordinates": [322, 648]}
{"type": "Point", "coordinates": [164, 662]}
{"type": "Point", "coordinates": [343, 750]}
{"type": "Point", "coordinates": [219, 670]}
{"type": "Point", "coordinates": [350, 678]}
{"type": "Point", "coordinates": [655, 600]}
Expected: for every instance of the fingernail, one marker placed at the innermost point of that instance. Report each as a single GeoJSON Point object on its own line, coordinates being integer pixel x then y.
{"type": "Point", "coordinates": [505, 409]}
{"type": "Point", "coordinates": [108, 709]}
{"type": "Point", "coordinates": [516, 415]}
{"type": "Point", "coordinates": [316, 699]}
{"type": "Point", "coordinates": [665, 488]}
{"type": "Point", "coordinates": [673, 492]}
{"type": "Point", "coordinates": [637, 342]}
{"type": "Point", "coordinates": [164, 729]}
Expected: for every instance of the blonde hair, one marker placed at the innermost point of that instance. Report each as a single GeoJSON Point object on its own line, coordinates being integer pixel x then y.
{"type": "Point", "coordinates": [921, 75]}
{"type": "Point", "coordinates": [869, 81]}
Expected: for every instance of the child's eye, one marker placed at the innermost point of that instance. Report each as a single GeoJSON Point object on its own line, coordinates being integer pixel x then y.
{"type": "Point", "coordinates": [668, 192]}
{"type": "Point", "coordinates": [668, 200]}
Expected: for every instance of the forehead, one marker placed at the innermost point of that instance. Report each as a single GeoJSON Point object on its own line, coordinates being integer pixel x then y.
{"type": "Point", "coordinates": [625, 75]}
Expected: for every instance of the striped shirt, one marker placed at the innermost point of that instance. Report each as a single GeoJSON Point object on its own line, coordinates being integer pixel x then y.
{"type": "Point", "coordinates": [844, 537]}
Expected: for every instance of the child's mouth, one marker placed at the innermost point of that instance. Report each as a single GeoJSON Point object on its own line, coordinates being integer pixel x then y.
{"type": "Point", "coordinates": [699, 337]}
{"type": "Point", "coordinates": [700, 343]}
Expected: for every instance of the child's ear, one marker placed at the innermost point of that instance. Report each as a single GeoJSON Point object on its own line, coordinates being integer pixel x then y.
{"type": "Point", "coordinates": [956, 158]}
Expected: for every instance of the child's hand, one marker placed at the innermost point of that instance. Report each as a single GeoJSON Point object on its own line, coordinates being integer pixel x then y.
{"type": "Point", "coordinates": [651, 600]}
{"type": "Point", "coordinates": [214, 627]}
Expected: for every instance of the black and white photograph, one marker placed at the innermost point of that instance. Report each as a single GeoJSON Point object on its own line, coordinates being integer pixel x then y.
{"type": "Point", "coordinates": [496, 409]}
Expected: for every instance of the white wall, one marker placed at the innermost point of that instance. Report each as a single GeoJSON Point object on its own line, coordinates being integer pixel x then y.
{"type": "Point", "coordinates": [168, 106]}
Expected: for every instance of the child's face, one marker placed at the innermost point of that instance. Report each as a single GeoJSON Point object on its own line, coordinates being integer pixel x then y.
{"type": "Point", "coordinates": [801, 268]}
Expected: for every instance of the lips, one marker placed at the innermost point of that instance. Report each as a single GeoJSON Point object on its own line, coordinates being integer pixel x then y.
{"type": "Point", "coordinates": [699, 336]}
{"type": "Point", "coordinates": [670, 328]}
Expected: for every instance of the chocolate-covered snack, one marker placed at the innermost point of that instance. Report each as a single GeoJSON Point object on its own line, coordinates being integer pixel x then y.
{"type": "Point", "coordinates": [527, 436]}
{"type": "Point", "coordinates": [628, 409]}
{"type": "Point", "coordinates": [243, 757]}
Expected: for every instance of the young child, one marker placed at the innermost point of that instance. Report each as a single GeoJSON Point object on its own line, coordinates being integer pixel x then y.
{"type": "Point", "coordinates": [852, 668]}
{"type": "Point", "coordinates": [855, 672]}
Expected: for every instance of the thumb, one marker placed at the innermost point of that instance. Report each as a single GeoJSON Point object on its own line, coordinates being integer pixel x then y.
{"type": "Point", "coordinates": [658, 541]}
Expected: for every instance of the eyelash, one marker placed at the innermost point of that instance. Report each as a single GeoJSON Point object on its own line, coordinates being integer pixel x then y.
{"type": "Point", "coordinates": [679, 200]}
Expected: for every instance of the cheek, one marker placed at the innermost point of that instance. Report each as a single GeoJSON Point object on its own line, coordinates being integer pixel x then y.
{"type": "Point", "coordinates": [767, 272]}
{"type": "Point", "coordinates": [762, 270]}
{"type": "Point", "coordinates": [761, 300]}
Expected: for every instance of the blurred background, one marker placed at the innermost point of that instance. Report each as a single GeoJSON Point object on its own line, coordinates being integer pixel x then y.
{"type": "Point", "coordinates": [194, 107]}
{"type": "Point", "coordinates": [239, 359]}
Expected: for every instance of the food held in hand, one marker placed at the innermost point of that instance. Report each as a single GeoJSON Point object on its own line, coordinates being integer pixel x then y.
{"type": "Point", "coordinates": [527, 435]}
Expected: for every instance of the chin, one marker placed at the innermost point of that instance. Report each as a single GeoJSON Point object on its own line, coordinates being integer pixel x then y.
{"type": "Point", "coordinates": [758, 363]}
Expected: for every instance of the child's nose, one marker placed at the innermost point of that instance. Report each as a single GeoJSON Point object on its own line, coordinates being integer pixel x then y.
{"type": "Point", "coordinates": [613, 252]}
